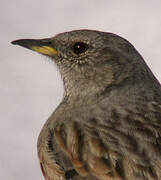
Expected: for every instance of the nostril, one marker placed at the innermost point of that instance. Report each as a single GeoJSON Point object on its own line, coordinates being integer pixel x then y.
{"type": "Point", "coordinates": [46, 42]}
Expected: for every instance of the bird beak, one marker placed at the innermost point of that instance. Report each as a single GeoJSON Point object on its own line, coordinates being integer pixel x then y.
{"type": "Point", "coordinates": [43, 46]}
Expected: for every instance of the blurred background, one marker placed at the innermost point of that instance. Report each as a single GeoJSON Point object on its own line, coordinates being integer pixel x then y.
{"type": "Point", "coordinates": [30, 84]}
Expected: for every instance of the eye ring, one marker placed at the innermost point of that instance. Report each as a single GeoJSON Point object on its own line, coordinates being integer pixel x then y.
{"type": "Point", "coordinates": [80, 47]}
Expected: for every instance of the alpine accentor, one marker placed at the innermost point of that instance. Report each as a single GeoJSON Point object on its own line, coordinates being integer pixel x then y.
{"type": "Point", "coordinates": [108, 125]}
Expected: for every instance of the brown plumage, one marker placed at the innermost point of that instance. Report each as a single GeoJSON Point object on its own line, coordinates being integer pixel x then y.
{"type": "Point", "coordinates": [108, 125]}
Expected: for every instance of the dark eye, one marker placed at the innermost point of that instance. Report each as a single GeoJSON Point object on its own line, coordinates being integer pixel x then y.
{"type": "Point", "coordinates": [80, 47]}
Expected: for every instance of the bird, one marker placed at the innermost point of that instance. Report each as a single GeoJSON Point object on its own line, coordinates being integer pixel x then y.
{"type": "Point", "coordinates": [108, 124]}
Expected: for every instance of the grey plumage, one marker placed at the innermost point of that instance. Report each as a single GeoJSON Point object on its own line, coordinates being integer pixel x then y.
{"type": "Point", "coordinates": [108, 125]}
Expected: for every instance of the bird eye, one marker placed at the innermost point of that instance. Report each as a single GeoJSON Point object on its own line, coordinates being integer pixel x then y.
{"type": "Point", "coordinates": [80, 47]}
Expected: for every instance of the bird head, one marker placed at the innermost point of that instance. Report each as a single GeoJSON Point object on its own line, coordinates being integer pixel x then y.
{"type": "Point", "coordinates": [89, 61]}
